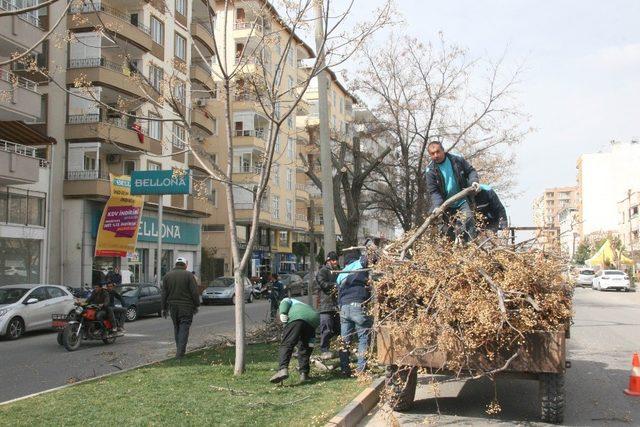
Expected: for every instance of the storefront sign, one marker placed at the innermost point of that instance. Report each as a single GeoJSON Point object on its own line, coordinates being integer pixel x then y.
{"type": "Point", "coordinates": [120, 220]}
{"type": "Point", "coordinates": [172, 231]}
{"type": "Point", "coordinates": [161, 182]}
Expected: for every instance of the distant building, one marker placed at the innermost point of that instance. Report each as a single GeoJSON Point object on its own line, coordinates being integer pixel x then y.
{"type": "Point", "coordinates": [629, 222]}
{"type": "Point", "coordinates": [604, 180]}
{"type": "Point", "coordinates": [546, 210]}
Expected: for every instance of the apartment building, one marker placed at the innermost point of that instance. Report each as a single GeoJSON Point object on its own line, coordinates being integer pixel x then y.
{"type": "Point", "coordinates": [604, 179]}
{"type": "Point", "coordinates": [278, 219]}
{"type": "Point", "coordinates": [140, 69]}
{"type": "Point", "coordinates": [568, 229]}
{"type": "Point", "coordinates": [24, 157]}
{"type": "Point", "coordinates": [629, 222]}
{"type": "Point", "coordinates": [551, 203]}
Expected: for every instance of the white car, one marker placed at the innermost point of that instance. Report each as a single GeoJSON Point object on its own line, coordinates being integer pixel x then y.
{"type": "Point", "coordinates": [611, 279]}
{"type": "Point", "coordinates": [585, 277]}
{"type": "Point", "coordinates": [30, 307]}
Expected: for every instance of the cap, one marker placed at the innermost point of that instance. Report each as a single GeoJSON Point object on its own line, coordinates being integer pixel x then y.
{"type": "Point", "coordinates": [181, 260]}
{"type": "Point", "coordinates": [332, 256]}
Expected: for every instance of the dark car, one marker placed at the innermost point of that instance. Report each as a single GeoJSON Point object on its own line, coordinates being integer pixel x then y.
{"type": "Point", "coordinates": [292, 284]}
{"type": "Point", "coordinates": [141, 299]}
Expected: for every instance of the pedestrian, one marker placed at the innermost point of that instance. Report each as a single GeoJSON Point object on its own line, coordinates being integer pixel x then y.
{"type": "Point", "coordinates": [180, 298]}
{"type": "Point", "coordinates": [114, 276]}
{"type": "Point", "coordinates": [446, 175]}
{"type": "Point", "coordinates": [488, 204]}
{"type": "Point", "coordinates": [126, 275]}
{"type": "Point", "coordinates": [328, 307]}
{"type": "Point", "coordinates": [276, 293]}
{"type": "Point", "coordinates": [353, 294]}
{"type": "Point", "coordinates": [118, 312]}
{"type": "Point", "coordinates": [301, 321]}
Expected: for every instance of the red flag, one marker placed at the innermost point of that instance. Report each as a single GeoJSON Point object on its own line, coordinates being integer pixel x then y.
{"type": "Point", "coordinates": [138, 129]}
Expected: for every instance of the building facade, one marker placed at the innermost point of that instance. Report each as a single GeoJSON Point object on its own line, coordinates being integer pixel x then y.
{"type": "Point", "coordinates": [629, 222]}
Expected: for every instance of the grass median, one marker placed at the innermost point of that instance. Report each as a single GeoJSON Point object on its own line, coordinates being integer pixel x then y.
{"type": "Point", "coordinates": [199, 390]}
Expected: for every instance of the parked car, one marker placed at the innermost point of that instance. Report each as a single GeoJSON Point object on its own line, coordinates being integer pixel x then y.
{"type": "Point", "coordinates": [292, 284]}
{"type": "Point", "coordinates": [222, 290]}
{"type": "Point", "coordinates": [30, 307]}
{"type": "Point", "coordinates": [611, 279]}
{"type": "Point", "coordinates": [585, 277]}
{"type": "Point", "coordinates": [140, 299]}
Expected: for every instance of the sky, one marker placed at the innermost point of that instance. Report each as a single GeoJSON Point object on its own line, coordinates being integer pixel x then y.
{"type": "Point", "coordinates": [580, 86]}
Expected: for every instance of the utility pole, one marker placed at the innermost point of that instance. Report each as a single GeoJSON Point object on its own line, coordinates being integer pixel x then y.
{"type": "Point", "coordinates": [312, 251]}
{"type": "Point", "coordinates": [633, 258]}
{"type": "Point", "coordinates": [325, 147]}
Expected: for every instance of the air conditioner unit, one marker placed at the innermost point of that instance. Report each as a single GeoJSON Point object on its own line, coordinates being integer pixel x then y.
{"type": "Point", "coordinates": [201, 102]}
{"type": "Point", "coordinates": [113, 158]}
{"type": "Point", "coordinates": [200, 138]}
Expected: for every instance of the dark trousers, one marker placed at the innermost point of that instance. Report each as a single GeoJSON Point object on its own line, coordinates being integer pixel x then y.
{"type": "Point", "coordinates": [111, 317]}
{"type": "Point", "coordinates": [296, 332]}
{"type": "Point", "coordinates": [329, 328]}
{"type": "Point", "coordinates": [182, 318]}
{"type": "Point", "coordinates": [120, 314]}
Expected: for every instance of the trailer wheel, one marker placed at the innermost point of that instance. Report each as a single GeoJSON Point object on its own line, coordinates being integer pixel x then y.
{"type": "Point", "coordinates": [401, 385]}
{"type": "Point", "coordinates": [552, 398]}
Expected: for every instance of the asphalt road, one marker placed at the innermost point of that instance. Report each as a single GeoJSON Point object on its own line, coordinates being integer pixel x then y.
{"type": "Point", "coordinates": [604, 336]}
{"type": "Point", "coordinates": [36, 362]}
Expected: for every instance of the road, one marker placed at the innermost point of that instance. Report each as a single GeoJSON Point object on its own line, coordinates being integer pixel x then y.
{"type": "Point", "coordinates": [604, 336]}
{"type": "Point", "coordinates": [36, 362]}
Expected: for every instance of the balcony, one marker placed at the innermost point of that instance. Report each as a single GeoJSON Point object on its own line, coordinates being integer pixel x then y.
{"type": "Point", "coordinates": [92, 127]}
{"type": "Point", "coordinates": [87, 183]}
{"type": "Point", "coordinates": [302, 222]}
{"type": "Point", "coordinates": [201, 32]}
{"type": "Point", "coordinates": [102, 71]}
{"type": "Point", "coordinates": [198, 206]}
{"type": "Point", "coordinates": [19, 32]}
{"type": "Point", "coordinates": [110, 17]}
{"type": "Point", "coordinates": [19, 98]}
{"type": "Point", "coordinates": [250, 138]}
{"type": "Point", "coordinates": [19, 164]}
{"type": "Point", "coordinates": [244, 29]}
{"type": "Point", "coordinates": [200, 73]}
{"type": "Point", "coordinates": [302, 192]}
{"type": "Point", "coordinates": [202, 120]}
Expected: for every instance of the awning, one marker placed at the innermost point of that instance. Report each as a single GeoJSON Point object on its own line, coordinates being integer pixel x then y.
{"type": "Point", "coordinates": [607, 255]}
{"type": "Point", "coordinates": [20, 133]}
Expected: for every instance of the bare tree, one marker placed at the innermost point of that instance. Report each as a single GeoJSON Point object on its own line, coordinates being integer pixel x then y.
{"type": "Point", "coordinates": [425, 92]}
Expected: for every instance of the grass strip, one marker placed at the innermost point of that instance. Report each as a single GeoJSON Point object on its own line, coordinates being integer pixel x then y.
{"type": "Point", "coordinates": [199, 390]}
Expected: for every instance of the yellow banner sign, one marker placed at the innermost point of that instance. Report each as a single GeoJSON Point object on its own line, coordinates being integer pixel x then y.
{"type": "Point", "coordinates": [118, 230]}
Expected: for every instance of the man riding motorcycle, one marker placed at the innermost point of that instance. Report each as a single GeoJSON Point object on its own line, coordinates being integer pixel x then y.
{"type": "Point", "coordinates": [119, 312]}
{"type": "Point", "coordinates": [100, 297]}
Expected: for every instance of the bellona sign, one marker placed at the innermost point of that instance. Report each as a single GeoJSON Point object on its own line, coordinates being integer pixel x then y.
{"type": "Point", "coordinates": [160, 182]}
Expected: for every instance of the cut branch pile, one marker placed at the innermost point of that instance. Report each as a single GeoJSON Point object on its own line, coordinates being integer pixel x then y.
{"type": "Point", "coordinates": [475, 303]}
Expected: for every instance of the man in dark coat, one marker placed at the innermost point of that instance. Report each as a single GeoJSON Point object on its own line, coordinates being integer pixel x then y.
{"type": "Point", "coordinates": [447, 175]}
{"type": "Point", "coordinates": [114, 276]}
{"type": "Point", "coordinates": [488, 204]}
{"type": "Point", "coordinates": [328, 306]}
{"type": "Point", "coordinates": [180, 297]}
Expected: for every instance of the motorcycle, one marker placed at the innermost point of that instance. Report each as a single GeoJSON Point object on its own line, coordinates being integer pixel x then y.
{"type": "Point", "coordinates": [260, 291]}
{"type": "Point", "coordinates": [82, 324]}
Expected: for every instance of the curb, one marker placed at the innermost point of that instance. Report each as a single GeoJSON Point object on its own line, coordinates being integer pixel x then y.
{"type": "Point", "coordinates": [359, 407]}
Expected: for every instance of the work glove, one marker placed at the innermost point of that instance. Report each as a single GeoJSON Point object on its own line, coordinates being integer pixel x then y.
{"type": "Point", "coordinates": [164, 313]}
{"type": "Point", "coordinates": [284, 318]}
{"type": "Point", "coordinates": [476, 187]}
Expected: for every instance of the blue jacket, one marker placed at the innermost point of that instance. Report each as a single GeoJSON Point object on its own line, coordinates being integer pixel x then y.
{"type": "Point", "coordinates": [464, 172]}
{"type": "Point", "coordinates": [352, 287]}
{"type": "Point", "coordinates": [489, 205]}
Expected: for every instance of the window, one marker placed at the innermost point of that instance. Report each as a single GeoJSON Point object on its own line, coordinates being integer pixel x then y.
{"type": "Point", "coordinates": [55, 292]}
{"type": "Point", "coordinates": [215, 125]}
{"type": "Point", "coordinates": [277, 144]}
{"type": "Point", "coordinates": [39, 293]}
{"type": "Point", "coordinates": [179, 136]}
{"type": "Point", "coordinates": [23, 257]}
{"type": "Point", "coordinates": [213, 197]}
{"type": "Point", "coordinates": [276, 207]}
{"type": "Point", "coordinates": [290, 147]}
{"type": "Point", "coordinates": [333, 98]}
{"type": "Point", "coordinates": [290, 56]}
{"type": "Point", "coordinates": [153, 291]}
{"type": "Point", "coordinates": [128, 166]}
{"type": "Point", "coordinates": [155, 128]}
{"type": "Point", "coordinates": [290, 121]}
{"type": "Point", "coordinates": [276, 175]}
{"type": "Point", "coordinates": [290, 83]}
{"type": "Point", "coordinates": [90, 162]}
{"type": "Point", "coordinates": [180, 92]}
{"type": "Point", "coordinates": [181, 7]}
{"type": "Point", "coordinates": [289, 210]}
{"type": "Point", "coordinates": [156, 75]}
{"type": "Point", "coordinates": [157, 30]}
{"type": "Point", "coordinates": [289, 180]}
{"type": "Point", "coordinates": [341, 105]}
{"type": "Point", "coordinates": [284, 238]}
{"type": "Point", "coordinates": [180, 48]}
{"type": "Point", "coordinates": [152, 166]}
{"type": "Point", "coordinates": [145, 292]}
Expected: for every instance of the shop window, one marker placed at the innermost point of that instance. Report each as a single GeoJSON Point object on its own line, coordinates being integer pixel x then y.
{"type": "Point", "coordinates": [4, 205]}
{"type": "Point", "coordinates": [36, 211]}
{"type": "Point", "coordinates": [17, 208]}
{"type": "Point", "coordinates": [19, 261]}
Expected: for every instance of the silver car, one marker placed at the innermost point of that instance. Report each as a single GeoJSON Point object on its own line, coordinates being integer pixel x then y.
{"type": "Point", "coordinates": [30, 307]}
{"type": "Point", "coordinates": [222, 289]}
{"type": "Point", "coordinates": [585, 277]}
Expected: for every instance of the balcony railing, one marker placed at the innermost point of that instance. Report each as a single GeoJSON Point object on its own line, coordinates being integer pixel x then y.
{"type": "Point", "coordinates": [98, 6]}
{"type": "Point", "coordinates": [301, 217]}
{"type": "Point", "coordinates": [120, 122]}
{"type": "Point", "coordinates": [248, 169]}
{"type": "Point", "coordinates": [87, 175]}
{"type": "Point", "coordinates": [204, 24]}
{"type": "Point", "coordinates": [30, 17]}
{"type": "Point", "coordinates": [99, 62]}
{"type": "Point", "coordinates": [301, 187]}
{"type": "Point", "coordinates": [14, 79]}
{"type": "Point", "coordinates": [244, 25]}
{"type": "Point", "coordinates": [258, 133]}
